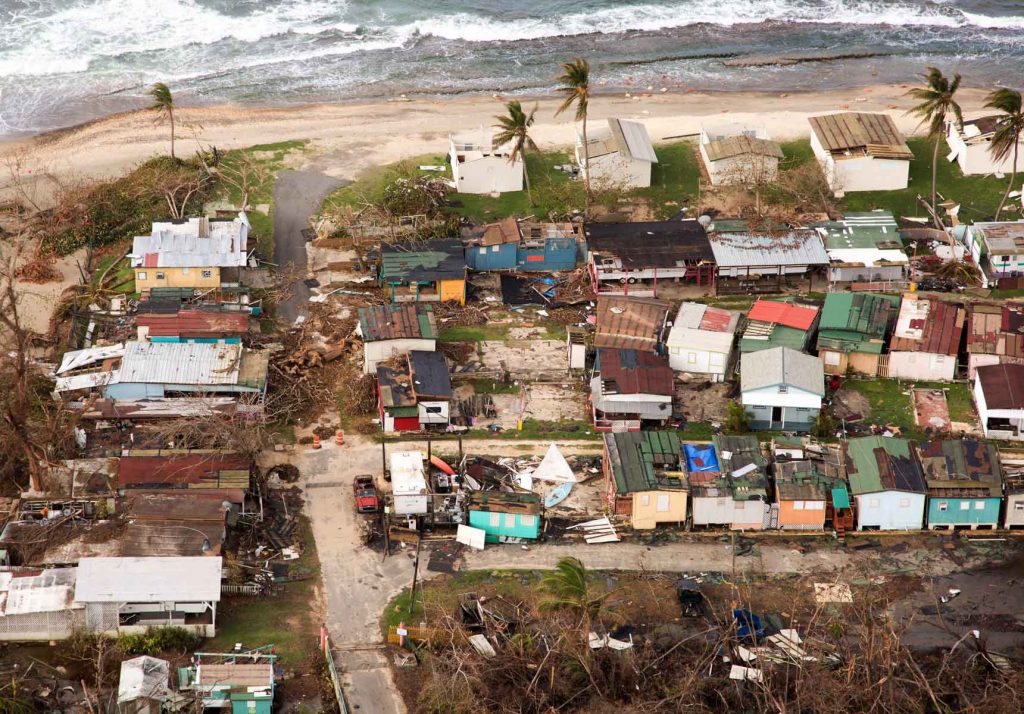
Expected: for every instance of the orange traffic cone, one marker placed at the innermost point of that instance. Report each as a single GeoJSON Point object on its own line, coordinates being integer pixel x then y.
{"type": "Point", "coordinates": [339, 437]}
{"type": "Point", "coordinates": [316, 441]}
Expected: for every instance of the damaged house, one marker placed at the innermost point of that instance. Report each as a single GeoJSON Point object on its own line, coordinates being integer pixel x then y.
{"type": "Point", "coordinates": [853, 331]}
{"type": "Point", "coordinates": [630, 388]}
{"type": "Point", "coordinates": [926, 339]}
{"type": "Point", "coordinates": [482, 166]}
{"type": "Point", "coordinates": [414, 392]}
{"type": "Point", "coordinates": [765, 261]}
{"type": "Point", "coordinates": [392, 330]}
{"type": "Point", "coordinates": [865, 247]}
{"type": "Point", "coordinates": [736, 155]}
{"type": "Point", "coordinates": [193, 325]}
{"type": "Point", "coordinates": [887, 482]}
{"type": "Point", "coordinates": [525, 247]}
{"type": "Point", "coordinates": [810, 489]}
{"type": "Point", "coordinates": [859, 151]}
{"type": "Point", "coordinates": [728, 483]}
{"type": "Point", "coordinates": [644, 478]}
{"type": "Point", "coordinates": [970, 144]}
{"type": "Point", "coordinates": [630, 323]}
{"type": "Point", "coordinates": [995, 334]}
{"type": "Point", "coordinates": [965, 484]}
{"type": "Point", "coordinates": [776, 323]}
{"type": "Point", "coordinates": [620, 156]}
{"type": "Point", "coordinates": [998, 249]}
{"type": "Point", "coordinates": [701, 341]}
{"type": "Point", "coordinates": [999, 398]}
{"type": "Point", "coordinates": [631, 258]}
{"type": "Point", "coordinates": [432, 271]}
{"type": "Point", "coordinates": [505, 517]}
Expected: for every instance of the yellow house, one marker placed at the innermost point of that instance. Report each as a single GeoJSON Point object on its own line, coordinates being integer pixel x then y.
{"type": "Point", "coordinates": [644, 478]}
{"type": "Point", "coordinates": [437, 273]}
{"type": "Point", "coordinates": [189, 253]}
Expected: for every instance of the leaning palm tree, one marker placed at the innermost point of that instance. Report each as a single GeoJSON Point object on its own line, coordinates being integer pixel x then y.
{"type": "Point", "coordinates": [937, 102]}
{"type": "Point", "coordinates": [513, 128]}
{"type": "Point", "coordinates": [566, 588]}
{"type": "Point", "coordinates": [163, 104]}
{"type": "Point", "coordinates": [575, 80]}
{"type": "Point", "coordinates": [1006, 140]}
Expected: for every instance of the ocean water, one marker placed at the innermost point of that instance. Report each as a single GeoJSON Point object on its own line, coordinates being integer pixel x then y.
{"type": "Point", "coordinates": [68, 61]}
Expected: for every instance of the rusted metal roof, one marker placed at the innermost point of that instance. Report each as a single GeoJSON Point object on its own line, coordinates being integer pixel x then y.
{"type": "Point", "coordinates": [397, 322]}
{"type": "Point", "coordinates": [1002, 385]}
{"type": "Point", "coordinates": [928, 326]}
{"type": "Point", "coordinates": [184, 471]}
{"type": "Point", "coordinates": [632, 372]}
{"type": "Point", "coordinates": [740, 145]}
{"type": "Point", "coordinates": [504, 231]}
{"type": "Point", "coordinates": [630, 323]}
{"type": "Point", "coordinates": [861, 134]}
{"type": "Point", "coordinates": [996, 329]}
{"type": "Point", "coordinates": [195, 323]}
{"type": "Point", "coordinates": [961, 468]}
{"type": "Point", "coordinates": [800, 317]}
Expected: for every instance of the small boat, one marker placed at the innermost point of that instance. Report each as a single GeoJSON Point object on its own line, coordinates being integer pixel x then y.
{"type": "Point", "coordinates": [559, 494]}
{"type": "Point", "coordinates": [440, 463]}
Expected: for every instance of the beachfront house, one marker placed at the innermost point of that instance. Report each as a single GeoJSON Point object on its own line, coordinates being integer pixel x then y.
{"type": "Point", "coordinates": [887, 481]}
{"type": "Point", "coordinates": [859, 151]}
{"type": "Point", "coordinates": [700, 342]}
{"type": "Point", "coordinates": [758, 261]}
{"type": "Point", "coordinates": [633, 258]}
{"type": "Point", "coordinates": [413, 392]}
{"type": "Point", "coordinates": [392, 330]}
{"type": "Point", "coordinates": [619, 156]}
{"type": "Point", "coordinates": [505, 517]}
{"type": "Point", "coordinates": [998, 249]}
{"type": "Point", "coordinates": [776, 323]}
{"type": "Point", "coordinates": [995, 334]}
{"type": "Point", "coordinates": [926, 339]}
{"type": "Point", "coordinates": [736, 155]}
{"type": "Point", "coordinates": [630, 388]}
{"type": "Point", "coordinates": [970, 143]}
{"type": "Point", "coordinates": [865, 247]}
{"type": "Point", "coordinates": [197, 253]}
{"type": "Point", "coordinates": [480, 165]}
{"type": "Point", "coordinates": [434, 271]}
{"type": "Point", "coordinates": [781, 389]}
{"type": "Point", "coordinates": [965, 484]}
{"type": "Point", "coordinates": [999, 398]}
{"type": "Point", "coordinates": [630, 323]}
{"type": "Point", "coordinates": [644, 478]}
{"type": "Point", "coordinates": [853, 330]}
{"type": "Point", "coordinates": [526, 247]}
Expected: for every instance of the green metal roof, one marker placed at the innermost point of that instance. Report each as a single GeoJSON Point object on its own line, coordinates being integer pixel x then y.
{"type": "Point", "coordinates": [637, 456]}
{"type": "Point", "coordinates": [856, 322]}
{"type": "Point", "coordinates": [781, 336]}
{"type": "Point", "coordinates": [901, 471]}
{"type": "Point", "coordinates": [864, 229]}
{"type": "Point", "coordinates": [840, 498]}
{"type": "Point", "coordinates": [438, 260]}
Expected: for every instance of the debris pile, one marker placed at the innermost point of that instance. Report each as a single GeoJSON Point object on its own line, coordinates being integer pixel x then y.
{"type": "Point", "coordinates": [268, 544]}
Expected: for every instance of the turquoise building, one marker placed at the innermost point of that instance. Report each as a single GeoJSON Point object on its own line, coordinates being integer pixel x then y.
{"type": "Point", "coordinates": [504, 516]}
{"type": "Point", "coordinates": [965, 484]}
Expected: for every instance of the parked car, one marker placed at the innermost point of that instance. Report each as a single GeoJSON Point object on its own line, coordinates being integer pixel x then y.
{"type": "Point", "coordinates": [367, 500]}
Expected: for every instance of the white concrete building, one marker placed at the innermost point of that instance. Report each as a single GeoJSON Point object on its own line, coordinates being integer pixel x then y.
{"type": "Point", "coordinates": [969, 146]}
{"type": "Point", "coordinates": [999, 397]}
{"type": "Point", "coordinates": [620, 156]}
{"type": "Point", "coordinates": [781, 389]}
{"type": "Point", "coordinates": [479, 166]}
{"type": "Point", "coordinates": [861, 152]}
{"type": "Point", "coordinates": [701, 339]}
{"type": "Point", "coordinates": [738, 155]}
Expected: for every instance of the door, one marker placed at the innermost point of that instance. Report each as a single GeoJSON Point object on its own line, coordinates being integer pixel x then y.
{"type": "Point", "coordinates": [776, 415]}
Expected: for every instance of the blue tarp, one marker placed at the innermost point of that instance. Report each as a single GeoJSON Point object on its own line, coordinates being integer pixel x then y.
{"type": "Point", "coordinates": [701, 458]}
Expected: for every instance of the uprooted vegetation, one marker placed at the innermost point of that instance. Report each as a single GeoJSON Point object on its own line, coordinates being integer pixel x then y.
{"type": "Point", "coordinates": [849, 657]}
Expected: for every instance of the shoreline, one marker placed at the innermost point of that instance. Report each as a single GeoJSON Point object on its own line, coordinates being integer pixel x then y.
{"type": "Point", "coordinates": [346, 138]}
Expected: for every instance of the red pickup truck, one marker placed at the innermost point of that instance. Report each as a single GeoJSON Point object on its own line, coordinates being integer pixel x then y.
{"type": "Point", "coordinates": [366, 497]}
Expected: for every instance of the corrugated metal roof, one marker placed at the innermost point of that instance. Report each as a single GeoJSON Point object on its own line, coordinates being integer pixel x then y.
{"type": "Point", "coordinates": [234, 675]}
{"type": "Point", "coordinates": [632, 372]}
{"type": "Point", "coordinates": [800, 317]}
{"type": "Point", "coordinates": [996, 329]}
{"type": "Point", "coordinates": [702, 327]}
{"type": "Point", "coordinates": [651, 244]}
{"type": "Point", "coordinates": [630, 323]}
{"type": "Point", "coordinates": [436, 260]}
{"type": "Point", "coordinates": [25, 591]}
{"type": "Point", "coordinates": [871, 134]}
{"type": "Point", "coordinates": [801, 246]}
{"type": "Point", "coordinates": [856, 322]}
{"type": "Point", "coordinates": [961, 467]}
{"type": "Point", "coordinates": [739, 145]}
{"type": "Point", "coordinates": [1003, 238]}
{"type": "Point", "coordinates": [195, 323]}
{"type": "Point", "coordinates": [1002, 385]}
{"type": "Point", "coordinates": [736, 453]}
{"type": "Point", "coordinates": [640, 460]}
{"type": "Point", "coordinates": [782, 365]}
{"type": "Point", "coordinates": [396, 322]}
{"type": "Point", "coordinates": [180, 363]}
{"type": "Point", "coordinates": [633, 140]}
{"type": "Point", "coordinates": [144, 678]}
{"type": "Point", "coordinates": [880, 463]}
{"type": "Point", "coordinates": [195, 243]}
{"type": "Point", "coordinates": [128, 580]}
{"type": "Point", "coordinates": [179, 471]}
{"type": "Point", "coordinates": [928, 326]}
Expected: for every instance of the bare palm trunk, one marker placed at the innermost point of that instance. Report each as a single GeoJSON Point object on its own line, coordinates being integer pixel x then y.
{"type": "Point", "coordinates": [935, 169]}
{"type": "Point", "coordinates": [170, 114]}
{"type": "Point", "coordinates": [1013, 177]}
{"type": "Point", "coordinates": [526, 178]}
{"type": "Point", "coordinates": [586, 160]}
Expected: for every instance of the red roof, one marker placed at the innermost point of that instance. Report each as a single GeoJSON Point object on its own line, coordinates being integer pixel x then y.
{"type": "Point", "coordinates": [633, 372]}
{"type": "Point", "coordinates": [151, 260]}
{"type": "Point", "coordinates": [715, 320]}
{"type": "Point", "coordinates": [177, 471]}
{"type": "Point", "coordinates": [940, 331]}
{"type": "Point", "coordinates": [195, 323]}
{"type": "Point", "coordinates": [800, 317]}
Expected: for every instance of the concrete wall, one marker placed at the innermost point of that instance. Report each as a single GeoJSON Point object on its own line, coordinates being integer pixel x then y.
{"type": "Point", "coordinates": [922, 366]}
{"type": "Point", "coordinates": [724, 511]}
{"type": "Point", "coordinates": [1014, 517]}
{"type": "Point", "coordinates": [890, 511]}
{"type": "Point", "coordinates": [861, 173]}
{"type": "Point", "coordinates": [975, 159]}
{"type": "Point", "coordinates": [793, 418]}
{"type": "Point", "coordinates": [149, 278]}
{"type": "Point", "coordinates": [866, 274]}
{"type": "Point", "coordinates": [488, 174]}
{"type": "Point", "coordinates": [615, 171]}
{"type": "Point", "coordinates": [653, 507]}
{"type": "Point", "coordinates": [696, 361]}
{"type": "Point", "coordinates": [963, 512]}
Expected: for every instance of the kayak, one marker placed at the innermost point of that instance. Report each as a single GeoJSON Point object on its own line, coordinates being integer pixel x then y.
{"type": "Point", "coordinates": [439, 463]}
{"type": "Point", "coordinates": [559, 494]}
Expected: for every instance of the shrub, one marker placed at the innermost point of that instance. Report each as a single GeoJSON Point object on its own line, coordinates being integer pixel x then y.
{"type": "Point", "coordinates": [156, 640]}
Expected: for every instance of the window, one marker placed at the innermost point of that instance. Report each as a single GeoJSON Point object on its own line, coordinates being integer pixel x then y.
{"type": "Point", "coordinates": [979, 505]}
{"type": "Point", "coordinates": [528, 520]}
{"type": "Point", "coordinates": [184, 271]}
{"type": "Point", "coordinates": [717, 359]}
{"type": "Point", "coordinates": [832, 359]}
{"type": "Point", "coordinates": [814, 505]}
{"type": "Point", "coordinates": [675, 350]}
{"type": "Point", "coordinates": [495, 248]}
{"type": "Point", "coordinates": [663, 501]}
{"type": "Point", "coordinates": [943, 505]}
{"type": "Point", "coordinates": [483, 250]}
{"type": "Point", "coordinates": [904, 503]}
{"type": "Point", "coordinates": [510, 520]}
{"type": "Point", "coordinates": [433, 410]}
{"type": "Point", "coordinates": [142, 275]}
{"type": "Point", "coordinates": [783, 389]}
{"type": "Point", "coordinates": [1018, 506]}
{"type": "Point", "coordinates": [160, 276]}
{"type": "Point", "coordinates": [207, 273]}
{"type": "Point", "coordinates": [645, 499]}
{"type": "Point", "coordinates": [874, 503]}
{"type": "Point", "coordinates": [691, 358]}
{"type": "Point", "coordinates": [965, 505]}
{"type": "Point", "coordinates": [798, 505]}
{"type": "Point", "coordinates": [496, 519]}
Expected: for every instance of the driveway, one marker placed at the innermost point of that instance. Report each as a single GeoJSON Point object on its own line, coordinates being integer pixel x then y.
{"type": "Point", "coordinates": [297, 195]}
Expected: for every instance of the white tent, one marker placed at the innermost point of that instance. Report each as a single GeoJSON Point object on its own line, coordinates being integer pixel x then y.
{"type": "Point", "coordinates": [554, 467]}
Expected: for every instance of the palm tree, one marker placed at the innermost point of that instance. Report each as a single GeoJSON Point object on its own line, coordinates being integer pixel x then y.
{"type": "Point", "coordinates": [575, 80]}
{"type": "Point", "coordinates": [514, 128]}
{"type": "Point", "coordinates": [566, 588]}
{"type": "Point", "coordinates": [1006, 139]}
{"type": "Point", "coordinates": [937, 102]}
{"type": "Point", "coordinates": [163, 104]}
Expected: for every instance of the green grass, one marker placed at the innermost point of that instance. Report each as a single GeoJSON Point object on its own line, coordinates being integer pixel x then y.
{"type": "Point", "coordinates": [961, 404]}
{"type": "Point", "coordinates": [548, 430]}
{"type": "Point", "coordinates": [674, 179]}
{"type": "Point", "coordinates": [553, 191]}
{"type": "Point", "coordinates": [475, 333]}
{"type": "Point", "coordinates": [272, 158]}
{"type": "Point", "coordinates": [889, 405]}
{"type": "Point", "coordinates": [284, 619]}
{"type": "Point", "coordinates": [124, 277]}
{"type": "Point", "coordinates": [493, 386]}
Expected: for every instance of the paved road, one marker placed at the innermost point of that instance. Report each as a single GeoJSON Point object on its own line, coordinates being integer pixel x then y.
{"type": "Point", "coordinates": [359, 582]}
{"type": "Point", "coordinates": [297, 196]}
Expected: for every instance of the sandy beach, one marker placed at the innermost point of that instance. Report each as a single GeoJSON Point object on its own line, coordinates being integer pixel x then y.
{"type": "Point", "coordinates": [346, 138]}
